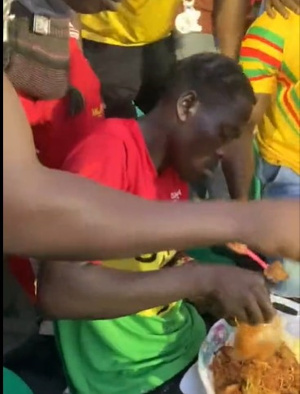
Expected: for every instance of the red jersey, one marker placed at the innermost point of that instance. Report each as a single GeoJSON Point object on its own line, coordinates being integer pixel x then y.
{"type": "Point", "coordinates": [54, 130]}
{"type": "Point", "coordinates": [116, 155]}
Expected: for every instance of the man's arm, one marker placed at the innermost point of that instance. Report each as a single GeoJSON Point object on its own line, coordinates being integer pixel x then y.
{"type": "Point", "coordinates": [52, 214]}
{"type": "Point", "coordinates": [229, 18]}
{"type": "Point", "coordinates": [261, 57]}
{"type": "Point", "coordinates": [91, 292]}
{"type": "Point", "coordinates": [55, 215]}
{"type": "Point", "coordinates": [238, 162]}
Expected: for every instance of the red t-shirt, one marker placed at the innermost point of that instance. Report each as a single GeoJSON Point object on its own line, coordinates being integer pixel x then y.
{"type": "Point", "coordinates": [54, 130]}
{"type": "Point", "coordinates": [116, 155]}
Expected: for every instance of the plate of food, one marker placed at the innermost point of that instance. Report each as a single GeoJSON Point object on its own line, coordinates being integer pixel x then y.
{"type": "Point", "coordinates": [222, 372]}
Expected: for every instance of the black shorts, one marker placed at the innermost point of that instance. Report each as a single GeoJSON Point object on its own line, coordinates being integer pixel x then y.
{"type": "Point", "coordinates": [130, 74]}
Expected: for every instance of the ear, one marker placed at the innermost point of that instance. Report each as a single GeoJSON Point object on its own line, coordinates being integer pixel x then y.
{"type": "Point", "coordinates": [187, 105]}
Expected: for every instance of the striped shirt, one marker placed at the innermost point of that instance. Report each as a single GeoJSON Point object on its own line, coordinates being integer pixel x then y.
{"type": "Point", "coordinates": [270, 56]}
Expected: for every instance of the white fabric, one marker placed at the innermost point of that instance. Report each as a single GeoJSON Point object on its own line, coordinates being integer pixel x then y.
{"type": "Point", "coordinates": [191, 383]}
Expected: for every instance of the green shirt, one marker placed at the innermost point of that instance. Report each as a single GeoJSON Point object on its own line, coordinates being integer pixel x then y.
{"type": "Point", "coordinates": [132, 354]}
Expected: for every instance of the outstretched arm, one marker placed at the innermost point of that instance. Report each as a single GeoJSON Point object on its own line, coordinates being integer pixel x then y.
{"type": "Point", "coordinates": [94, 292]}
{"type": "Point", "coordinates": [55, 215]}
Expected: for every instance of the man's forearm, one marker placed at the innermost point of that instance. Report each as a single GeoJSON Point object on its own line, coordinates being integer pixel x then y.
{"type": "Point", "coordinates": [229, 19]}
{"type": "Point", "coordinates": [238, 165]}
{"type": "Point", "coordinates": [238, 162]}
{"type": "Point", "coordinates": [58, 215]}
{"type": "Point", "coordinates": [94, 292]}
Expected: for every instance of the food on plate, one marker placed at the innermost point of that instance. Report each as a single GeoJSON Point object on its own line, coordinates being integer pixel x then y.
{"type": "Point", "coordinates": [258, 342]}
{"type": "Point", "coordinates": [280, 374]}
{"type": "Point", "coordinates": [275, 272]}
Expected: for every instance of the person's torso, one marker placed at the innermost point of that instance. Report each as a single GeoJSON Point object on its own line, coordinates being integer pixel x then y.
{"type": "Point", "coordinates": [279, 132]}
{"type": "Point", "coordinates": [54, 129]}
{"type": "Point", "coordinates": [136, 353]}
{"type": "Point", "coordinates": [135, 23]}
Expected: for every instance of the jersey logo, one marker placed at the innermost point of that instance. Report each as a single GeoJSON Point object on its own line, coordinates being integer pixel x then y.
{"type": "Point", "coordinates": [176, 195]}
{"type": "Point", "coordinates": [97, 112]}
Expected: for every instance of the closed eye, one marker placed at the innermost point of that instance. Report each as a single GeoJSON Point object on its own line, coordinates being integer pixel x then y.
{"type": "Point", "coordinates": [228, 133]}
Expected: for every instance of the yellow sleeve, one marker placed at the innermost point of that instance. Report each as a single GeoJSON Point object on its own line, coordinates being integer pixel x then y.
{"type": "Point", "coordinates": [262, 52]}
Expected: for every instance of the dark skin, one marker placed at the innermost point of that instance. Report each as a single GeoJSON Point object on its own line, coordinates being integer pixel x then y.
{"type": "Point", "coordinates": [53, 205]}
{"type": "Point", "coordinates": [238, 158]}
{"type": "Point", "coordinates": [229, 17]}
{"type": "Point", "coordinates": [282, 6]}
{"type": "Point", "coordinates": [175, 125]}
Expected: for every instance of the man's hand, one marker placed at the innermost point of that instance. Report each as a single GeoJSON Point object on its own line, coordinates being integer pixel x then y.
{"type": "Point", "coordinates": [273, 228]}
{"type": "Point", "coordinates": [235, 293]}
{"type": "Point", "coordinates": [282, 7]}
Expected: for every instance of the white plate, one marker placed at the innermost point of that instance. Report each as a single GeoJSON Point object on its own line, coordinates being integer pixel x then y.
{"type": "Point", "coordinates": [222, 333]}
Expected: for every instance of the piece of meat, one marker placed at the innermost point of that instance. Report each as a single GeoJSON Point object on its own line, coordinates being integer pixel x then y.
{"type": "Point", "coordinates": [276, 273]}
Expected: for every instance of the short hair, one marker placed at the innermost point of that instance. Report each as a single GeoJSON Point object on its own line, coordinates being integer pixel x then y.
{"type": "Point", "coordinates": [216, 79]}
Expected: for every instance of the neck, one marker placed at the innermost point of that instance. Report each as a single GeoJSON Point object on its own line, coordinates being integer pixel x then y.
{"type": "Point", "coordinates": [156, 135]}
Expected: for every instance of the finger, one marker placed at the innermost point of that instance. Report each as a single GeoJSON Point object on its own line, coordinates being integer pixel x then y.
{"type": "Point", "coordinates": [292, 5]}
{"type": "Point", "coordinates": [232, 321]}
{"type": "Point", "coordinates": [269, 9]}
{"type": "Point", "coordinates": [279, 7]}
{"type": "Point", "coordinates": [254, 313]}
{"type": "Point", "coordinates": [266, 307]}
{"type": "Point", "coordinates": [241, 315]}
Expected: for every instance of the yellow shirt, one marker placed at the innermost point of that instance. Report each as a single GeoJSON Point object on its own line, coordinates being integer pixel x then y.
{"type": "Point", "coordinates": [270, 56]}
{"type": "Point", "coordinates": [135, 23]}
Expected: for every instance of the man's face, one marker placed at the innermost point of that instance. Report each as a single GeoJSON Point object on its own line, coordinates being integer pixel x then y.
{"type": "Point", "coordinates": [196, 146]}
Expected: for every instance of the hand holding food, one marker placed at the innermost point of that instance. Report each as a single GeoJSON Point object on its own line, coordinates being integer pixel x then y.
{"type": "Point", "coordinates": [238, 293]}
{"type": "Point", "coordinates": [257, 342]}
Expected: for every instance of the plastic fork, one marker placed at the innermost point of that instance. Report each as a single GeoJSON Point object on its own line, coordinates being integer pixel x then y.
{"type": "Point", "coordinates": [244, 250]}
